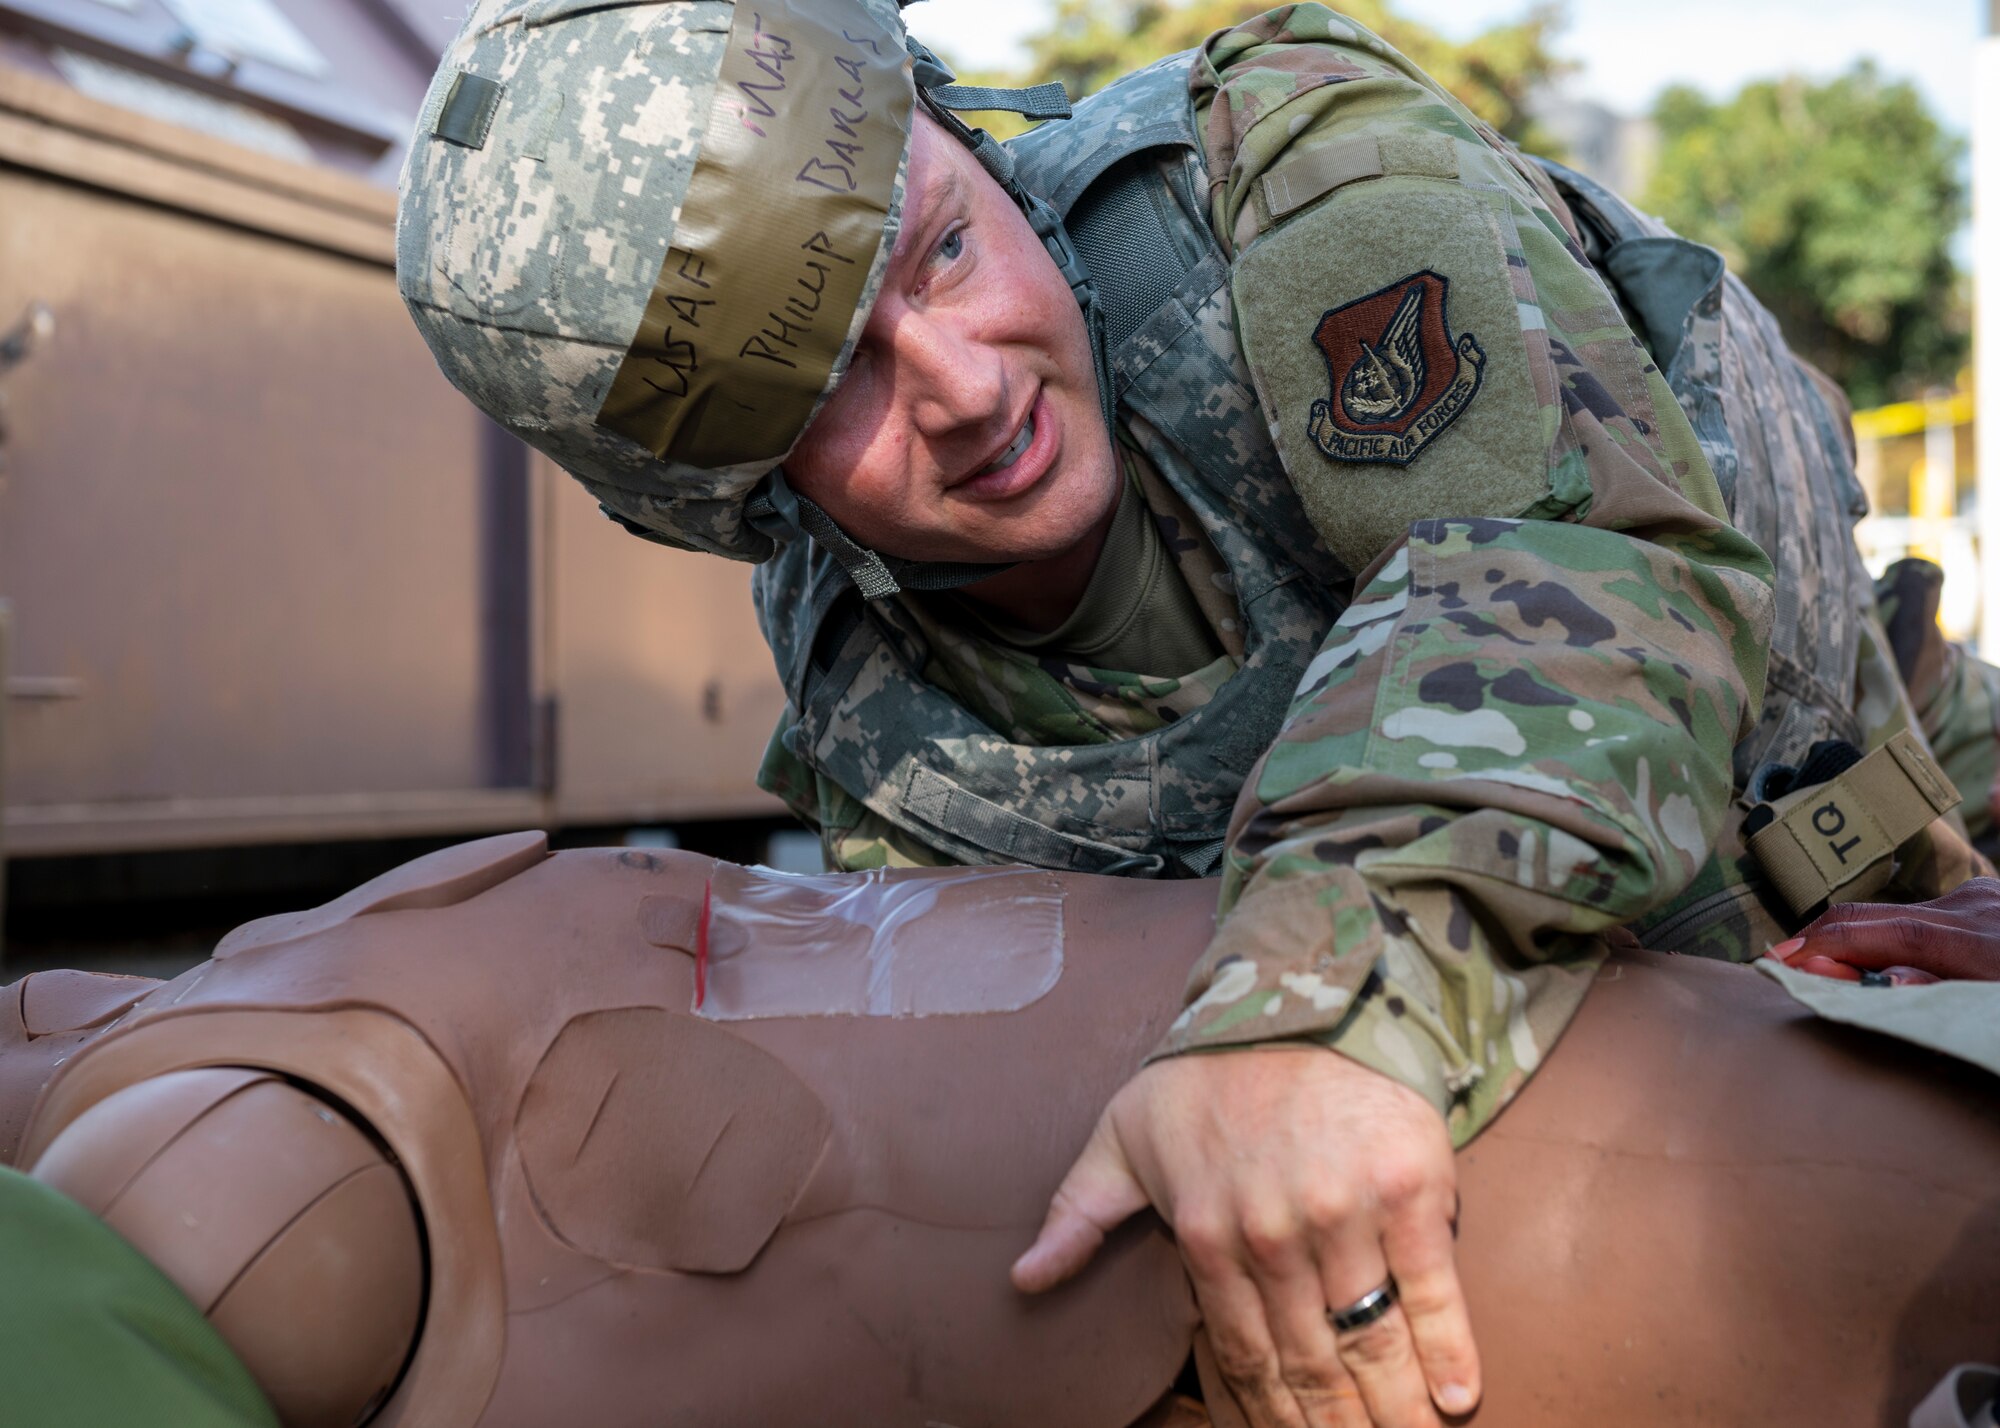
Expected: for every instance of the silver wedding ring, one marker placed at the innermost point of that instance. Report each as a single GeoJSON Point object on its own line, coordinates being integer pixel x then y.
{"type": "Point", "coordinates": [1365, 1310]}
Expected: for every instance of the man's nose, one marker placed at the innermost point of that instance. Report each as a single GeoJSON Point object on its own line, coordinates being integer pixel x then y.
{"type": "Point", "coordinates": [949, 377]}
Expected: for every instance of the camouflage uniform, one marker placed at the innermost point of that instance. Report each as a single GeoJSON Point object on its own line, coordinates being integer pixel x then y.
{"type": "Point", "coordinates": [1533, 717]}
{"type": "Point", "coordinates": [1492, 682]}
{"type": "Point", "coordinates": [1956, 695]}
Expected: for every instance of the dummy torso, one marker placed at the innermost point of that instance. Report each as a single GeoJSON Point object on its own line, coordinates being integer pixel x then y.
{"type": "Point", "coordinates": [799, 1201]}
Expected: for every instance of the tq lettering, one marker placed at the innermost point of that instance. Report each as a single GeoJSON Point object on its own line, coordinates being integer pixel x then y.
{"type": "Point", "coordinates": [1829, 820]}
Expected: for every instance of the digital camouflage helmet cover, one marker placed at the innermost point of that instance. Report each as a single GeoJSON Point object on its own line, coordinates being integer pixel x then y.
{"type": "Point", "coordinates": [645, 238]}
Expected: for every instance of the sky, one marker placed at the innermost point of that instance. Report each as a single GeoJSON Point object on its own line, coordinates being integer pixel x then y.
{"type": "Point", "coordinates": [1629, 49]}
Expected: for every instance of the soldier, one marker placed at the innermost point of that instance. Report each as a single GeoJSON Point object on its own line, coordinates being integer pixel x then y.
{"type": "Point", "coordinates": [1270, 436]}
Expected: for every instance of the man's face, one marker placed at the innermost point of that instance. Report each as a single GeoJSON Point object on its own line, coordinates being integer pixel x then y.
{"type": "Point", "coordinates": [967, 428]}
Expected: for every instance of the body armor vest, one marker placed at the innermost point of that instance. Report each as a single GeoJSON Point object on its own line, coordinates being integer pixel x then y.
{"type": "Point", "coordinates": [1126, 175]}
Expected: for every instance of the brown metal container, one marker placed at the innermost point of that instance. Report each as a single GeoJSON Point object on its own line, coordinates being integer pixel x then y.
{"type": "Point", "coordinates": [271, 578]}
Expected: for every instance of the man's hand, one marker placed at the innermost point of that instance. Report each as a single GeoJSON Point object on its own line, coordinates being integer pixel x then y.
{"type": "Point", "coordinates": [1296, 1181]}
{"type": "Point", "coordinates": [1955, 937]}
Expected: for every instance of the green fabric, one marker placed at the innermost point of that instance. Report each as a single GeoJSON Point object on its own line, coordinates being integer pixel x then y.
{"type": "Point", "coordinates": [92, 1335]}
{"type": "Point", "coordinates": [1365, 238]}
{"type": "Point", "coordinates": [1136, 613]}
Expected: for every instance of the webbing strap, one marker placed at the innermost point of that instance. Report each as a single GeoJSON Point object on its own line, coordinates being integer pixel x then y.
{"type": "Point", "coordinates": [941, 90]}
{"type": "Point", "coordinates": [1836, 841]}
{"type": "Point", "coordinates": [1041, 101]}
{"type": "Point", "coordinates": [776, 508]}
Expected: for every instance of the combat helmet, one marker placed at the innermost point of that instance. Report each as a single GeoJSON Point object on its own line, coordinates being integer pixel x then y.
{"type": "Point", "coordinates": [645, 238]}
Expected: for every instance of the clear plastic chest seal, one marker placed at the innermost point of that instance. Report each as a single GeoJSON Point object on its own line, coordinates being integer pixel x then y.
{"type": "Point", "coordinates": [912, 942]}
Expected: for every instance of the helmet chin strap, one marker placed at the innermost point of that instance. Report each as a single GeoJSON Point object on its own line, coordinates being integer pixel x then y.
{"type": "Point", "coordinates": [780, 511]}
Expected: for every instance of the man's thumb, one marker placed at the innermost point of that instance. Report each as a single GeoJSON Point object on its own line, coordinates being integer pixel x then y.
{"type": "Point", "coordinates": [1099, 1191]}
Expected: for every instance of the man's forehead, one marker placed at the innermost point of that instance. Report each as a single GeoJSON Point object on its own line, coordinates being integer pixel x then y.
{"type": "Point", "coordinates": [940, 184]}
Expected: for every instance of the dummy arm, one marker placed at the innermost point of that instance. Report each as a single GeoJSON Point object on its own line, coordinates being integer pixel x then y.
{"type": "Point", "coordinates": [279, 1219]}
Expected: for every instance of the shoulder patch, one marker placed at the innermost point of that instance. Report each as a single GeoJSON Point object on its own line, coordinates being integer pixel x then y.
{"type": "Point", "coordinates": [1398, 375]}
{"type": "Point", "coordinates": [1395, 344]}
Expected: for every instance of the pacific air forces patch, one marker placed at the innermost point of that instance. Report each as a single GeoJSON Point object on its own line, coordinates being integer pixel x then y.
{"type": "Point", "coordinates": [1398, 375]}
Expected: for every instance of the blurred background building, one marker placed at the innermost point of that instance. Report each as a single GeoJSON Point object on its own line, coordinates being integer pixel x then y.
{"type": "Point", "coordinates": [280, 608]}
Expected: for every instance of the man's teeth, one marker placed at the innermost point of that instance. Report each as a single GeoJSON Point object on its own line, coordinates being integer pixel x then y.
{"type": "Point", "coordinates": [1022, 440]}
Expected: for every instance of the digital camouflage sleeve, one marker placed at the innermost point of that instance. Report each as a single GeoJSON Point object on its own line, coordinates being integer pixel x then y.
{"type": "Point", "coordinates": [1518, 736]}
{"type": "Point", "coordinates": [1954, 694]}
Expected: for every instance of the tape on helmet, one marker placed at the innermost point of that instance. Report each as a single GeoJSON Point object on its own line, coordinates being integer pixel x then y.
{"type": "Point", "coordinates": [776, 237]}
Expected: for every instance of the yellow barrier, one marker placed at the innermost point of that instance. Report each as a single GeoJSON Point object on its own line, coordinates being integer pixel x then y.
{"type": "Point", "coordinates": [1908, 418]}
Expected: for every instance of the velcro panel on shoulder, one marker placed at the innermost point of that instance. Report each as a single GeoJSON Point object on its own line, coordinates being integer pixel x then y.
{"type": "Point", "coordinates": [1420, 155]}
{"type": "Point", "coordinates": [1384, 335]}
{"type": "Point", "coordinates": [1315, 170]}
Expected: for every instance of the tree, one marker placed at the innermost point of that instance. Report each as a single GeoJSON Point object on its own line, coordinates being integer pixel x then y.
{"type": "Point", "coordinates": [1837, 204]}
{"type": "Point", "coordinates": [1092, 42]}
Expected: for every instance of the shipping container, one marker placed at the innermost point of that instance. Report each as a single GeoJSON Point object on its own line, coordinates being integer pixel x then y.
{"type": "Point", "coordinates": [269, 578]}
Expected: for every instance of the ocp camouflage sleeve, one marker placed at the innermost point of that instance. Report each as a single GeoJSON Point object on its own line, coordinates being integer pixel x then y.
{"type": "Point", "coordinates": [1517, 738]}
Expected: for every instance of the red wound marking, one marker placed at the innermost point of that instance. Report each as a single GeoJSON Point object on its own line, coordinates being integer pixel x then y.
{"type": "Point", "coordinates": [701, 946]}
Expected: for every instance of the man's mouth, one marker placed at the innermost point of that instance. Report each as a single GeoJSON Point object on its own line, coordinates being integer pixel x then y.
{"type": "Point", "coordinates": [1023, 439]}
{"type": "Point", "coordinates": [1022, 463]}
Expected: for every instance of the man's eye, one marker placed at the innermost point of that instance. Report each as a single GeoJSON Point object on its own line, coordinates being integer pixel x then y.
{"type": "Point", "coordinates": [952, 245]}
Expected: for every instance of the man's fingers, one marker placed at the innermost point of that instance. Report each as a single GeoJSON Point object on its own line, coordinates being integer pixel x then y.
{"type": "Point", "coordinates": [1380, 1354]}
{"type": "Point", "coordinates": [1884, 932]}
{"type": "Point", "coordinates": [1099, 1192]}
{"type": "Point", "coordinates": [1820, 966]}
{"type": "Point", "coordinates": [1910, 938]}
{"type": "Point", "coordinates": [1294, 1301]}
{"type": "Point", "coordinates": [1239, 1336]}
{"type": "Point", "coordinates": [1949, 937]}
{"type": "Point", "coordinates": [1420, 1252]}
